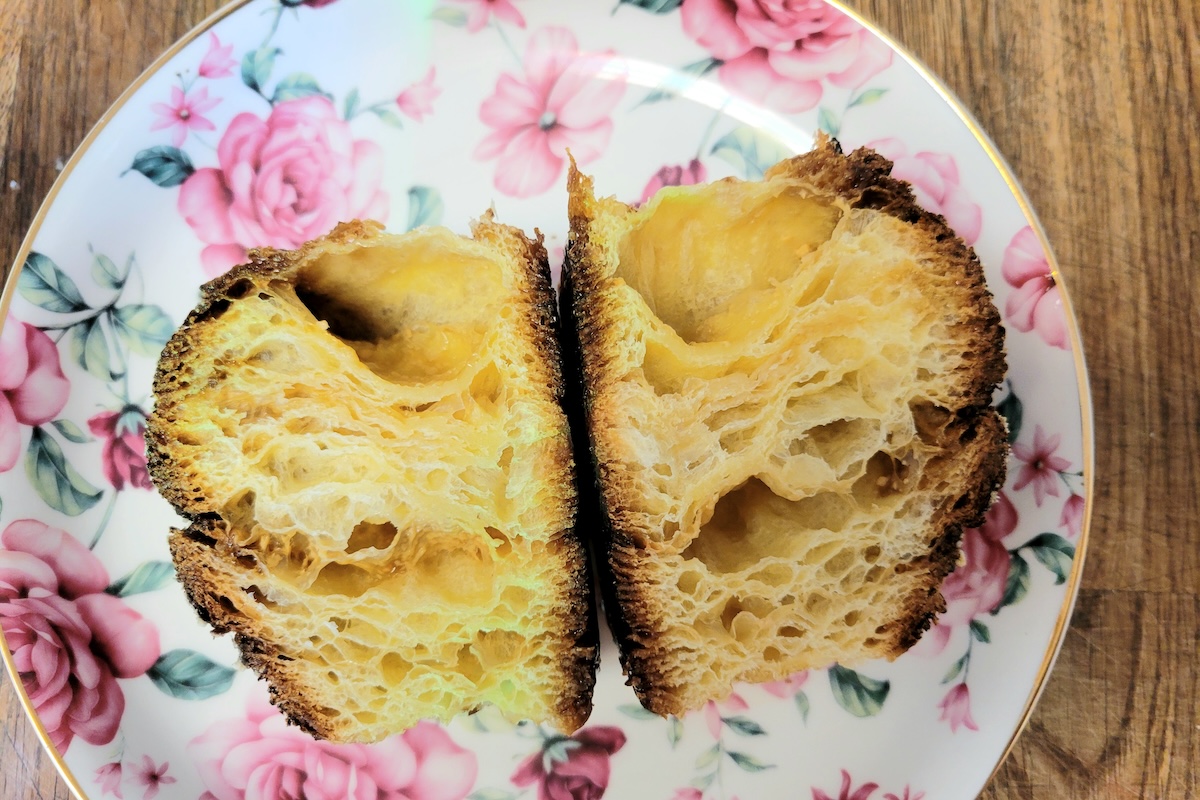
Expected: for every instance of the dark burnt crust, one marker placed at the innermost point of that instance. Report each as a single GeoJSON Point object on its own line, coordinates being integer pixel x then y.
{"type": "Point", "coordinates": [628, 607]}
{"type": "Point", "coordinates": [863, 180]}
{"type": "Point", "coordinates": [198, 551]}
{"type": "Point", "coordinates": [207, 583]}
{"type": "Point", "coordinates": [986, 451]}
{"type": "Point", "coordinates": [580, 624]}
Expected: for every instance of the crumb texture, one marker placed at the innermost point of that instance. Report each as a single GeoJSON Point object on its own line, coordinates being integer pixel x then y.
{"type": "Point", "coordinates": [787, 386]}
{"type": "Point", "coordinates": [367, 436]}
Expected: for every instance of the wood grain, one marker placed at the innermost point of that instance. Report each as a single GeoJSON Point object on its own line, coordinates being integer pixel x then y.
{"type": "Point", "coordinates": [1094, 105]}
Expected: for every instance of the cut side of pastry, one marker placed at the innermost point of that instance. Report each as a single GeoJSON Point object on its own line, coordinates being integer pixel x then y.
{"type": "Point", "coordinates": [367, 436]}
{"type": "Point", "coordinates": [786, 386]}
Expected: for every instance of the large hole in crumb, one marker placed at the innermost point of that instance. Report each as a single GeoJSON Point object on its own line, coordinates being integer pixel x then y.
{"type": "Point", "coordinates": [343, 579]}
{"type": "Point", "coordinates": [706, 260]}
{"type": "Point", "coordinates": [752, 524]}
{"type": "Point", "coordinates": [885, 477]}
{"type": "Point", "coordinates": [378, 535]}
{"type": "Point", "coordinates": [414, 313]}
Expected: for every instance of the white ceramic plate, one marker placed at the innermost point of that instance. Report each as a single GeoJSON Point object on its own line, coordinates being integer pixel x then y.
{"type": "Point", "coordinates": [271, 122]}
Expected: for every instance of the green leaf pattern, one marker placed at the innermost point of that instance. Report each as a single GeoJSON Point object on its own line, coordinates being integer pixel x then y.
{"type": "Point", "coordinates": [424, 206]}
{"type": "Point", "coordinates": [58, 483]}
{"type": "Point", "coordinates": [148, 577]}
{"type": "Point", "coordinates": [750, 151]}
{"type": "Point", "coordinates": [164, 165]}
{"type": "Point", "coordinates": [859, 694]}
{"type": "Point", "coordinates": [42, 283]}
{"type": "Point", "coordinates": [144, 329]}
{"type": "Point", "coordinates": [188, 675]}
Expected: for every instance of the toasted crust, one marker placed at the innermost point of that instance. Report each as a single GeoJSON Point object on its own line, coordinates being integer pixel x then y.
{"type": "Point", "coordinates": [638, 608]}
{"type": "Point", "coordinates": [232, 585]}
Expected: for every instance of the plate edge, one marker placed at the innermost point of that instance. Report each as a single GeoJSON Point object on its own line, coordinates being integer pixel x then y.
{"type": "Point", "coordinates": [1087, 422]}
{"type": "Point", "coordinates": [990, 149]}
{"type": "Point", "coordinates": [10, 287]}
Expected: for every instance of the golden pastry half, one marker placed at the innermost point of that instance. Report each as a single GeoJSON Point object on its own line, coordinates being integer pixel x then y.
{"type": "Point", "coordinates": [366, 435]}
{"type": "Point", "coordinates": [786, 388]}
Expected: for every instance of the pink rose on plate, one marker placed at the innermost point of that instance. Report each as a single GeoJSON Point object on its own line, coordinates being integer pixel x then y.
{"type": "Point", "coordinates": [936, 184]}
{"type": "Point", "coordinates": [124, 453]}
{"type": "Point", "coordinates": [1036, 305]}
{"type": "Point", "coordinates": [33, 389]}
{"type": "Point", "coordinates": [70, 640]}
{"type": "Point", "coordinates": [261, 757]}
{"type": "Point", "coordinates": [572, 768]}
{"type": "Point", "coordinates": [675, 175]}
{"type": "Point", "coordinates": [976, 587]}
{"type": "Point", "coordinates": [563, 102]}
{"type": "Point", "coordinates": [282, 181]}
{"type": "Point", "coordinates": [778, 52]}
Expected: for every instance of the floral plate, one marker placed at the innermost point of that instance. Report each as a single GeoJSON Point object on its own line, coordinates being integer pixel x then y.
{"type": "Point", "coordinates": [277, 118]}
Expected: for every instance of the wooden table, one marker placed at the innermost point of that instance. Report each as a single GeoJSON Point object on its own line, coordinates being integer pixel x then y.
{"type": "Point", "coordinates": [1095, 105]}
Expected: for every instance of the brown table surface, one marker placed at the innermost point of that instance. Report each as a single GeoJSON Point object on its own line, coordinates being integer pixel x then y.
{"type": "Point", "coordinates": [1095, 105]}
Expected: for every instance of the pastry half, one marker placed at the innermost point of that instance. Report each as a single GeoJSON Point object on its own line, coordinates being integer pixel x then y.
{"type": "Point", "coordinates": [367, 437]}
{"type": "Point", "coordinates": [786, 388]}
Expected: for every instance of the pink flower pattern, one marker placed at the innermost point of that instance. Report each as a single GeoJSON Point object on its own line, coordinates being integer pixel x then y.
{"type": "Point", "coordinates": [712, 712]}
{"type": "Point", "coordinates": [483, 10]}
{"type": "Point", "coordinates": [1072, 515]}
{"type": "Point", "coordinates": [282, 181]}
{"type": "Point", "coordinates": [123, 455]}
{"type": "Point", "coordinates": [977, 586]}
{"type": "Point", "coordinates": [675, 175]}
{"type": "Point", "coordinates": [275, 182]}
{"type": "Point", "coordinates": [151, 777]}
{"type": "Point", "coordinates": [70, 640]}
{"type": "Point", "coordinates": [585, 772]}
{"type": "Point", "coordinates": [847, 790]}
{"type": "Point", "coordinates": [108, 777]}
{"type": "Point", "coordinates": [956, 708]}
{"type": "Point", "coordinates": [33, 389]}
{"type": "Point", "coordinates": [778, 52]}
{"type": "Point", "coordinates": [1036, 305]}
{"type": "Point", "coordinates": [908, 795]}
{"type": "Point", "coordinates": [417, 100]}
{"type": "Point", "coordinates": [936, 183]}
{"type": "Point", "coordinates": [218, 62]}
{"type": "Point", "coordinates": [260, 756]}
{"type": "Point", "coordinates": [559, 105]}
{"type": "Point", "coordinates": [184, 114]}
{"type": "Point", "coordinates": [789, 686]}
{"type": "Point", "coordinates": [1042, 467]}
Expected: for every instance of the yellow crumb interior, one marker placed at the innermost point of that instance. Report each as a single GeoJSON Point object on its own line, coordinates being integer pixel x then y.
{"type": "Point", "coordinates": [381, 438]}
{"type": "Point", "coordinates": [775, 389]}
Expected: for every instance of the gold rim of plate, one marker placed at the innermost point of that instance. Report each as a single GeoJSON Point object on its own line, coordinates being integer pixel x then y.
{"type": "Point", "coordinates": [1085, 405]}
